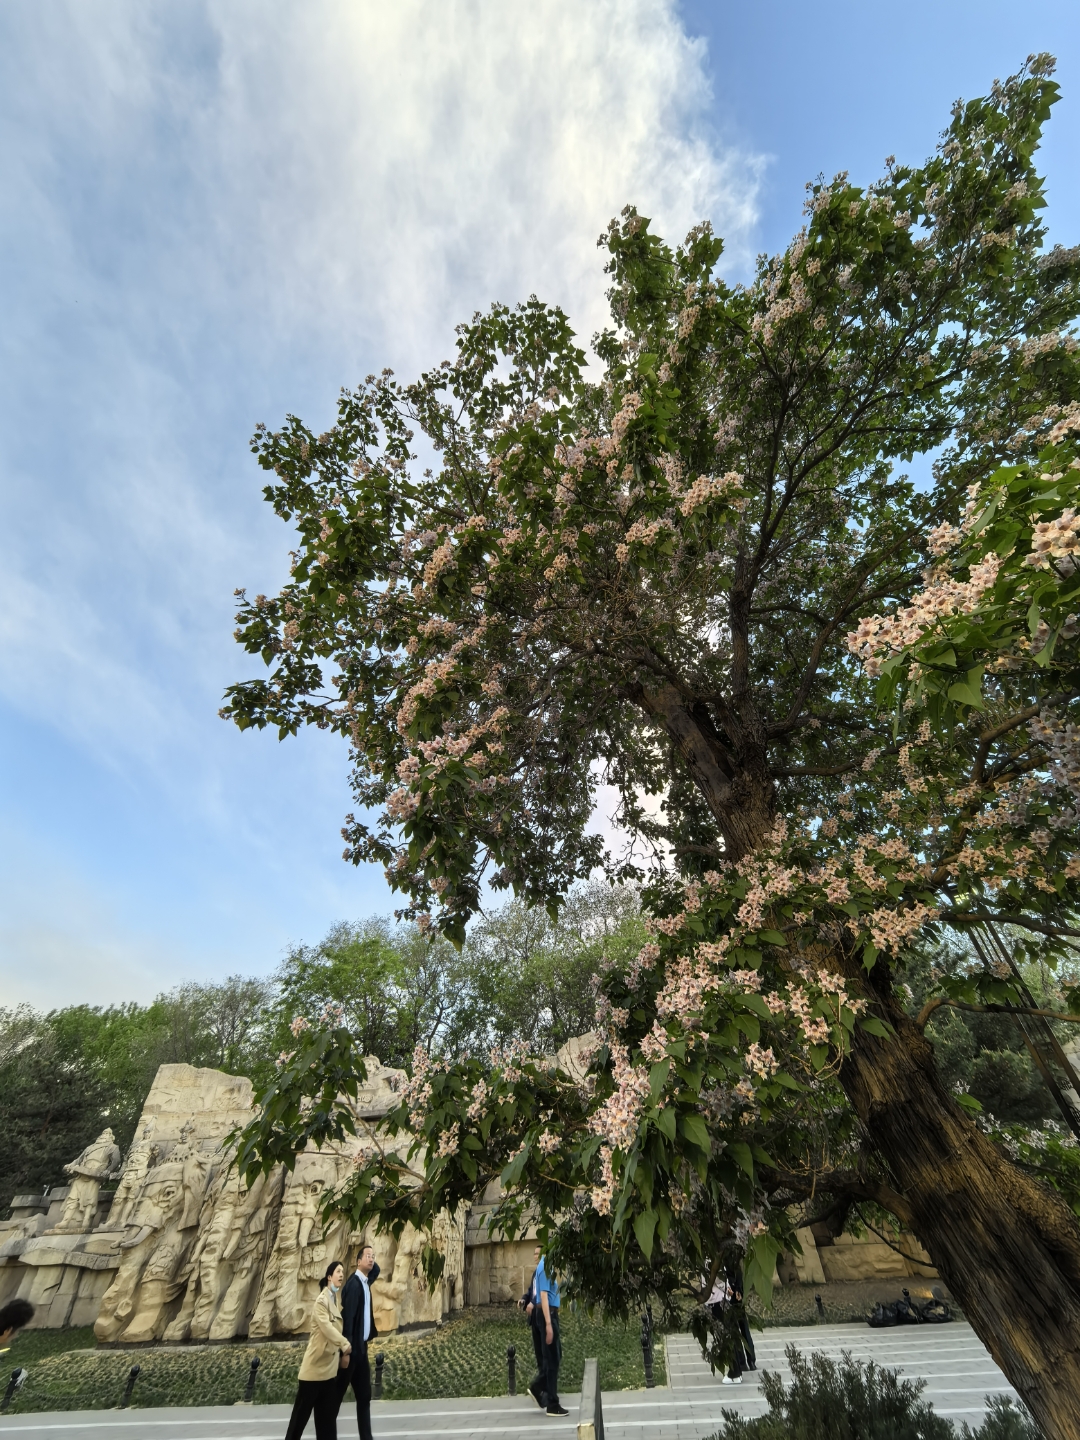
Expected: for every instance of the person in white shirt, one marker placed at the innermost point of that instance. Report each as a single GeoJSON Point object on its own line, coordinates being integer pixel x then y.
{"type": "Point", "coordinates": [358, 1325]}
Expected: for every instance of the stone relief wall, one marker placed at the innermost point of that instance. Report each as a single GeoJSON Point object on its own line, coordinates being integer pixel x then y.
{"type": "Point", "coordinates": [184, 1251]}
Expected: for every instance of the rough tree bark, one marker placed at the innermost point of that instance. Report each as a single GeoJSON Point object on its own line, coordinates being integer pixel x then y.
{"type": "Point", "coordinates": [1007, 1246]}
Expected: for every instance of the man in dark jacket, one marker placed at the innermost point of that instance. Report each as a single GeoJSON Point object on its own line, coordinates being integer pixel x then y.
{"type": "Point", "coordinates": [358, 1327]}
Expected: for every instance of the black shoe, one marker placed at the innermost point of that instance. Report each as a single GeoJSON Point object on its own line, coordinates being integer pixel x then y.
{"type": "Point", "coordinates": [558, 1411]}
{"type": "Point", "coordinates": [538, 1396]}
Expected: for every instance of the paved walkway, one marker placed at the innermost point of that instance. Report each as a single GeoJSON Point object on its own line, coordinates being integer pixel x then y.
{"type": "Point", "coordinates": [958, 1371]}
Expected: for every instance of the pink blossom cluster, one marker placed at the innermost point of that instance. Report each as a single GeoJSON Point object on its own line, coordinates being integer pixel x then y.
{"type": "Point", "coordinates": [450, 1140]}
{"type": "Point", "coordinates": [547, 1142]}
{"type": "Point", "coordinates": [654, 1043]}
{"type": "Point", "coordinates": [815, 1030]}
{"type": "Point", "coordinates": [645, 959]}
{"type": "Point", "coordinates": [478, 1100]}
{"type": "Point", "coordinates": [602, 1195]}
{"type": "Point", "coordinates": [748, 980]}
{"type": "Point", "coordinates": [891, 929]}
{"type": "Point", "coordinates": [712, 487]}
{"type": "Point", "coordinates": [618, 1117]}
{"type": "Point", "coordinates": [1056, 540]}
{"type": "Point", "coordinates": [880, 636]}
{"type": "Point", "coordinates": [508, 1059]}
{"type": "Point", "coordinates": [1062, 743]}
{"type": "Point", "coordinates": [761, 1062]}
{"type": "Point", "coordinates": [647, 532]}
{"type": "Point", "coordinates": [688, 981]}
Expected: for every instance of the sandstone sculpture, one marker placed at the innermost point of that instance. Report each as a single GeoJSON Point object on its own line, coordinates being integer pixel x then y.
{"type": "Point", "coordinates": [189, 1253]}
{"type": "Point", "coordinates": [140, 1157]}
{"type": "Point", "coordinates": [97, 1162]}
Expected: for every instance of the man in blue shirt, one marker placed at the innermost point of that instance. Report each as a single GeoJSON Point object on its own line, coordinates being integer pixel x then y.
{"type": "Point", "coordinates": [547, 1288]}
{"type": "Point", "coordinates": [531, 1302]}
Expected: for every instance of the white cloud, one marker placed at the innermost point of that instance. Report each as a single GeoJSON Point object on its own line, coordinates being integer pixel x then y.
{"type": "Point", "coordinates": [406, 162]}
{"type": "Point", "coordinates": [221, 211]}
{"type": "Point", "coordinates": [217, 202]}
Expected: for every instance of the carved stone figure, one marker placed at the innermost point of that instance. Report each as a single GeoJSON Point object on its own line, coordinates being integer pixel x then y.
{"type": "Point", "coordinates": [253, 1229]}
{"type": "Point", "coordinates": [140, 1157]}
{"type": "Point", "coordinates": [158, 1207]}
{"type": "Point", "coordinates": [203, 1273]}
{"type": "Point", "coordinates": [301, 1249]}
{"type": "Point", "coordinates": [448, 1237]}
{"type": "Point", "coordinates": [96, 1163]}
{"type": "Point", "coordinates": [164, 1221]}
{"type": "Point", "coordinates": [407, 1288]}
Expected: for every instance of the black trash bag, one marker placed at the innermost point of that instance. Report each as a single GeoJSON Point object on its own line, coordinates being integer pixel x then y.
{"type": "Point", "coordinates": [895, 1312]}
{"type": "Point", "coordinates": [935, 1311]}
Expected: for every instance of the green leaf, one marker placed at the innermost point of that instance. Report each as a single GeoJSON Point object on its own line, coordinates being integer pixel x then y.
{"type": "Point", "coordinates": [665, 1122]}
{"type": "Point", "coordinates": [696, 1131]}
{"type": "Point", "coordinates": [743, 1156]}
{"type": "Point", "coordinates": [644, 1228]}
{"type": "Point", "coordinates": [658, 1078]}
{"type": "Point", "coordinates": [873, 1026]}
{"type": "Point", "coordinates": [969, 691]}
{"type": "Point", "coordinates": [772, 937]}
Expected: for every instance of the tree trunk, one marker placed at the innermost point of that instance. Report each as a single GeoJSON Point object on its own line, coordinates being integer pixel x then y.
{"type": "Point", "coordinates": [1008, 1247]}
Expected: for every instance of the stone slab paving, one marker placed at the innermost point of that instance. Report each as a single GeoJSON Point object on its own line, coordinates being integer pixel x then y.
{"type": "Point", "coordinates": [950, 1358]}
{"type": "Point", "coordinates": [958, 1371]}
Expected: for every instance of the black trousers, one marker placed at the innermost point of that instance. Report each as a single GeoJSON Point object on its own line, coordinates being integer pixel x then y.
{"type": "Point", "coordinates": [552, 1359]}
{"type": "Point", "coordinates": [743, 1355]}
{"type": "Point", "coordinates": [358, 1375]}
{"type": "Point", "coordinates": [318, 1397]}
{"type": "Point", "coordinates": [538, 1384]}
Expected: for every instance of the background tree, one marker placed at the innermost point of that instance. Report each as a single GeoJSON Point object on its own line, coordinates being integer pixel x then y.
{"type": "Point", "coordinates": [523, 978]}
{"type": "Point", "coordinates": [534, 978]}
{"type": "Point", "coordinates": [703, 578]}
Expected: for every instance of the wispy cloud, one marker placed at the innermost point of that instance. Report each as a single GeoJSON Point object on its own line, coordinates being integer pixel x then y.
{"type": "Point", "coordinates": [217, 212]}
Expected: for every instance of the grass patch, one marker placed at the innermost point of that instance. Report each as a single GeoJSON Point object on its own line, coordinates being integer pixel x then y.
{"type": "Point", "coordinates": [464, 1357]}
{"type": "Point", "coordinates": [32, 1345]}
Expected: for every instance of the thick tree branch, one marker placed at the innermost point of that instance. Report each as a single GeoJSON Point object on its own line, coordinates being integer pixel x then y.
{"type": "Point", "coordinates": [931, 1005]}
{"type": "Point", "coordinates": [1039, 927]}
{"type": "Point", "coordinates": [846, 1183]}
{"type": "Point", "coordinates": [988, 737]}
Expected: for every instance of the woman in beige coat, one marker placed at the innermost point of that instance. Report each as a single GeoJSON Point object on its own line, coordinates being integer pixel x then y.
{"type": "Point", "coordinates": [327, 1350]}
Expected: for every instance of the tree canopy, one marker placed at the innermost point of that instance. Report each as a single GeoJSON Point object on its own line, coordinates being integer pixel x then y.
{"type": "Point", "coordinates": [703, 577]}
{"type": "Point", "coordinates": [523, 979]}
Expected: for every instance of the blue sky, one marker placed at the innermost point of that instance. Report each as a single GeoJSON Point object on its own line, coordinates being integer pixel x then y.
{"type": "Point", "coordinates": [215, 213]}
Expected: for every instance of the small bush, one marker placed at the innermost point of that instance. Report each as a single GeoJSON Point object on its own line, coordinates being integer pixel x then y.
{"type": "Point", "coordinates": [851, 1400]}
{"type": "Point", "coordinates": [845, 1400]}
{"type": "Point", "coordinates": [1005, 1421]}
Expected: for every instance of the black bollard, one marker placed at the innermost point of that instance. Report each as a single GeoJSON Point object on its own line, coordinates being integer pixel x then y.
{"type": "Point", "coordinates": [379, 1358]}
{"type": "Point", "coordinates": [646, 1352]}
{"type": "Point", "coordinates": [133, 1375]}
{"type": "Point", "coordinates": [249, 1392]}
{"type": "Point", "coordinates": [820, 1309]}
{"type": "Point", "coordinates": [511, 1365]}
{"type": "Point", "coordinates": [17, 1378]}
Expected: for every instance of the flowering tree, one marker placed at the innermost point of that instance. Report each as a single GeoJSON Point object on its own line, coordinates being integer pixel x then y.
{"type": "Point", "coordinates": [701, 578]}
